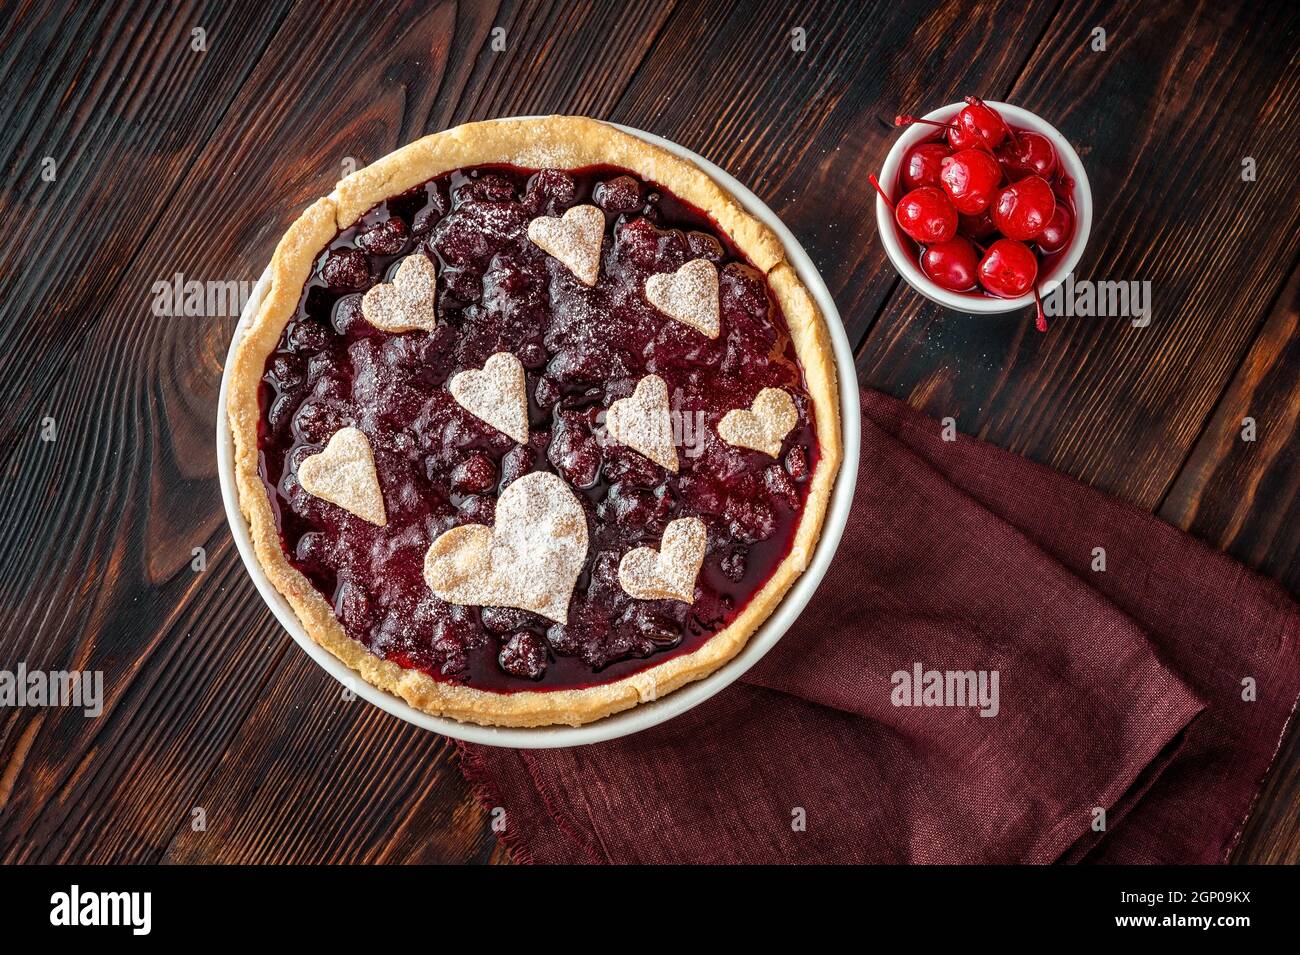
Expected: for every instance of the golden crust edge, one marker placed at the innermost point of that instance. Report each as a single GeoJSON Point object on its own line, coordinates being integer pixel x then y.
{"type": "Point", "coordinates": [566, 142]}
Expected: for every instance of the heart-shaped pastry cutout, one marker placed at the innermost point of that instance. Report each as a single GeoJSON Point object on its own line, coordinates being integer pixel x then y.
{"type": "Point", "coordinates": [644, 422]}
{"type": "Point", "coordinates": [668, 573]}
{"type": "Point", "coordinates": [574, 239]}
{"type": "Point", "coordinates": [497, 395]}
{"type": "Point", "coordinates": [406, 303]}
{"type": "Point", "coordinates": [689, 295]}
{"type": "Point", "coordinates": [529, 560]}
{"type": "Point", "coordinates": [344, 474]}
{"type": "Point", "coordinates": [762, 426]}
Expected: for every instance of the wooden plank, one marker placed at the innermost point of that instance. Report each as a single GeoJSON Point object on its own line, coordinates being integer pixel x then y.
{"type": "Point", "coordinates": [117, 97]}
{"type": "Point", "coordinates": [208, 704]}
{"type": "Point", "coordinates": [1163, 119]}
{"type": "Point", "coordinates": [1243, 496]}
{"type": "Point", "coordinates": [804, 129]}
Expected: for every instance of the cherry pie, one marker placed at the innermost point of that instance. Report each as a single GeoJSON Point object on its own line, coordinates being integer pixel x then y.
{"type": "Point", "coordinates": [534, 422]}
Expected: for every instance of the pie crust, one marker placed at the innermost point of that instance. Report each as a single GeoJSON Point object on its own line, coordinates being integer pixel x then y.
{"type": "Point", "coordinates": [562, 142]}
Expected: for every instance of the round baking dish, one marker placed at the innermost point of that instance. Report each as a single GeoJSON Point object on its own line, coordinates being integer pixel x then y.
{"type": "Point", "coordinates": [643, 715]}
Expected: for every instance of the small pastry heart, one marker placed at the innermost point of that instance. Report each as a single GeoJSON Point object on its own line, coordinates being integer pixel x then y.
{"type": "Point", "coordinates": [497, 395]}
{"type": "Point", "coordinates": [344, 474]}
{"type": "Point", "coordinates": [670, 572]}
{"type": "Point", "coordinates": [406, 303]}
{"type": "Point", "coordinates": [644, 422]}
{"type": "Point", "coordinates": [690, 295]}
{"type": "Point", "coordinates": [574, 239]}
{"type": "Point", "coordinates": [762, 426]}
{"type": "Point", "coordinates": [530, 560]}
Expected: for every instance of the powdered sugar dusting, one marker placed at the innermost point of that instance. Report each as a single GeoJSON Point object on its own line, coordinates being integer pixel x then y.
{"type": "Point", "coordinates": [497, 394]}
{"type": "Point", "coordinates": [530, 560]}
{"type": "Point", "coordinates": [669, 573]}
{"type": "Point", "coordinates": [407, 303]}
{"type": "Point", "coordinates": [344, 474]}
{"type": "Point", "coordinates": [689, 295]}
{"type": "Point", "coordinates": [574, 239]}
{"type": "Point", "coordinates": [644, 422]}
{"type": "Point", "coordinates": [762, 426]}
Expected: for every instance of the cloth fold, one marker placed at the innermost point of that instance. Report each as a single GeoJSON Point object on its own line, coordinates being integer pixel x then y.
{"type": "Point", "coordinates": [1121, 729]}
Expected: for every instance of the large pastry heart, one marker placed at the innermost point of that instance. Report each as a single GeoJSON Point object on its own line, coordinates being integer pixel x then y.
{"type": "Point", "coordinates": [497, 394]}
{"type": "Point", "coordinates": [668, 573]}
{"type": "Point", "coordinates": [574, 239]}
{"type": "Point", "coordinates": [405, 304]}
{"type": "Point", "coordinates": [644, 422]}
{"type": "Point", "coordinates": [689, 295]}
{"type": "Point", "coordinates": [344, 474]}
{"type": "Point", "coordinates": [763, 425]}
{"type": "Point", "coordinates": [529, 560]}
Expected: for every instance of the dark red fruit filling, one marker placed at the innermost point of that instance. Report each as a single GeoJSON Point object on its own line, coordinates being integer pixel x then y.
{"type": "Point", "coordinates": [582, 348]}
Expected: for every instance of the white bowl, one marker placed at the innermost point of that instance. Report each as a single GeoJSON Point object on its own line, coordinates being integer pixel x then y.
{"type": "Point", "coordinates": [905, 261]}
{"type": "Point", "coordinates": [643, 715]}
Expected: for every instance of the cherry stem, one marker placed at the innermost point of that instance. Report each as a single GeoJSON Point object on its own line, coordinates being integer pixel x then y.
{"type": "Point", "coordinates": [909, 120]}
{"type": "Point", "coordinates": [875, 182]}
{"type": "Point", "coordinates": [976, 101]}
{"type": "Point", "coordinates": [1040, 321]}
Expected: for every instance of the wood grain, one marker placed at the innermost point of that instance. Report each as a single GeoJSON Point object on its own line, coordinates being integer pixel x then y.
{"type": "Point", "coordinates": [805, 129]}
{"type": "Point", "coordinates": [103, 91]}
{"type": "Point", "coordinates": [197, 164]}
{"type": "Point", "coordinates": [1244, 497]}
{"type": "Point", "coordinates": [135, 473]}
{"type": "Point", "coordinates": [1191, 87]}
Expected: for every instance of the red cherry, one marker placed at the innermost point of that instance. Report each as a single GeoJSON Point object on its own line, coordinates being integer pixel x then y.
{"type": "Point", "coordinates": [978, 124]}
{"type": "Point", "coordinates": [970, 178]}
{"type": "Point", "coordinates": [976, 227]}
{"type": "Point", "coordinates": [922, 165]}
{"type": "Point", "coordinates": [1063, 186]}
{"type": "Point", "coordinates": [926, 215]}
{"type": "Point", "coordinates": [1056, 234]}
{"type": "Point", "coordinates": [1008, 269]}
{"type": "Point", "coordinates": [1022, 209]}
{"type": "Point", "coordinates": [951, 264]}
{"type": "Point", "coordinates": [1027, 154]}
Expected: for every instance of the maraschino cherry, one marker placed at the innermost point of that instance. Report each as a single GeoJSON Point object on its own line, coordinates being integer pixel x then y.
{"type": "Point", "coordinates": [998, 185]}
{"type": "Point", "coordinates": [1023, 209]}
{"type": "Point", "coordinates": [977, 227]}
{"type": "Point", "coordinates": [1027, 153]}
{"type": "Point", "coordinates": [951, 264]}
{"type": "Point", "coordinates": [923, 165]}
{"type": "Point", "coordinates": [925, 214]}
{"type": "Point", "coordinates": [1008, 269]}
{"type": "Point", "coordinates": [970, 177]}
{"type": "Point", "coordinates": [1056, 234]}
{"type": "Point", "coordinates": [978, 125]}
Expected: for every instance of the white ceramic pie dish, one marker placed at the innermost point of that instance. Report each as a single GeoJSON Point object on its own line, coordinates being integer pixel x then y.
{"type": "Point", "coordinates": [905, 262]}
{"type": "Point", "coordinates": [643, 715]}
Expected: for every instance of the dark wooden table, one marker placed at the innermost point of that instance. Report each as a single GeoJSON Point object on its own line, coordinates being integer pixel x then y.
{"type": "Point", "coordinates": [169, 159]}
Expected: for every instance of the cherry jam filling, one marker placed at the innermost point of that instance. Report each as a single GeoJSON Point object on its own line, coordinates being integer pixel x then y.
{"type": "Point", "coordinates": [582, 349]}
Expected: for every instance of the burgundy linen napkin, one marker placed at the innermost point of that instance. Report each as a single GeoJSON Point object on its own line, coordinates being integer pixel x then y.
{"type": "Point", "coordinates": [1120, 733]}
